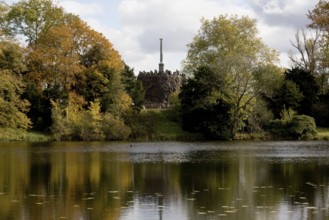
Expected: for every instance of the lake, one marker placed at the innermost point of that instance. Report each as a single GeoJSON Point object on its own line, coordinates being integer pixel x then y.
{"type": "Point", "coordinates": [164, 180]}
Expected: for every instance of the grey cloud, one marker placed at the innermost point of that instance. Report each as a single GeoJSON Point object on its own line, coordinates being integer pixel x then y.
{"type": "Point", "coordinates": [178, 21]}
{"type": "Point", "coordinates": [286, 20]}
{"type": "Point", "coordinates": [281, 13]}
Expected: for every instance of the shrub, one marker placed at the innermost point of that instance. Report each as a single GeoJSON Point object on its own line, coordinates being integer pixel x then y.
{"type": "Point", "coordinates": [278, 128]}
{"type": "Point", "coordinates": [75, 123]}
{"type": "Point", "coordinates": [60, 128]}
{"type": "Point", "coordinates": [114, 128]}
{"type": "Point", "coordinates": [297, 127]}
{"type": "Point", "coordinates": [321, 113]}
{"type": "Point", "coordinates": [302, 127]}
{"type": "Point", "coordinates": [142, 125]}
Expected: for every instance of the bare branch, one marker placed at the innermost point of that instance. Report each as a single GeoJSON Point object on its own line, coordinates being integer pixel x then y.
{"type": "Point", "coordinates": [307, 51]}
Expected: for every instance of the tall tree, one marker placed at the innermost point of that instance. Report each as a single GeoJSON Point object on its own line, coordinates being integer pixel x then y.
{"type": "Point", "coordinates": [33, 18]}
{"type": "Point", "coordinates": [4, 29]}
{"type": "Point", "coordinates": [286, 97]}
{"type": "Point", "coordinates": [54, 60]}
{"type": "Point", "coordinates": [133, 87]}
{"type": "Point", "coordinates": [319, 16]}
{"type": "Point", "coordinates": [309, 52]}
{"type": "Point", "coordinates": [64, 55]}
{"type": "Point", "coordinates": [308, 87]}
{"type": "Point", "coordinates": [231, 47]}
{"type": "Point", "coordinates": [12, 107]}
{"type": "Point", "coordinates": [320, 22]}
{"type": "Point", "coordinates": [203, 105]}
{"type": "Point", "coordinates": [11, 57]}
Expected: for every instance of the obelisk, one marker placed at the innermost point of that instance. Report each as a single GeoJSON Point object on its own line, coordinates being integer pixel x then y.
{"type": "Point", "coordinates": [161, 64]}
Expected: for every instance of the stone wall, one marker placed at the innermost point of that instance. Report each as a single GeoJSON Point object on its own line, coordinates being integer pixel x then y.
{"type": "Point", "coordinates": [159, 87]}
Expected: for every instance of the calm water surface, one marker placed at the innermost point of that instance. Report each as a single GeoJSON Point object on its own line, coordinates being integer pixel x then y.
{"type": "Point", "coordinates": [183, 181]}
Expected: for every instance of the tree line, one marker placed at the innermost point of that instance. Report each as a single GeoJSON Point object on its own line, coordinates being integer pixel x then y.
{"type": "Point", "coordinates": [61, 76]}
{"type": "Point", "coordinates": [236, 84]}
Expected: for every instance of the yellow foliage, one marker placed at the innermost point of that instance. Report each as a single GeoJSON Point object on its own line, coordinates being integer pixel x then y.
{"type": "Point", "coordinates": [125, 103]}
{"type": "Point", "coordinates": [95, 110]}
{"type": "Point", "coordinates": [12, 107]}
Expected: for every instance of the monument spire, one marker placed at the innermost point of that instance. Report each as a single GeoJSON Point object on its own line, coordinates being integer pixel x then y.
{"type": "Point", "coordinates": [161, 64]}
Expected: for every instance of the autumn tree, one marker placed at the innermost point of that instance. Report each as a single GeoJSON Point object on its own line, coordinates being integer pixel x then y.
{"type": "Point", "coordinates": [232, 49]}
{"type": "Point", "coordinates": [101, 78]}
{"type": "Point", "coordinates": [74, 122]}
{"type": "Point", "coordinates": [320, 23]}
{"type": "Point", "coordinates": [12, 107]}
{"type": "Point", "coordinates": [32, 20]}
{"type": "Point", "coordinates": [64, 55]}
{"type": "Point", "coordinates": [53, 61]}
{"type": "Point", "coordinates": [52, 67]}
{"type": "Point", "coordinates": [319, 16]}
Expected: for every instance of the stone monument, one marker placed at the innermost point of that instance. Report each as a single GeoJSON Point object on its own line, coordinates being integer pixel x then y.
{"type": "Point", "coordinates": [160, 84]}
{"type": "Point", "coordinates": [161, 64]}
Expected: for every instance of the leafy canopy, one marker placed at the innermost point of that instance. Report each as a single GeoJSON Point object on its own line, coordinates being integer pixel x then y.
{"type": "Point", "coordinates": [232, 49]}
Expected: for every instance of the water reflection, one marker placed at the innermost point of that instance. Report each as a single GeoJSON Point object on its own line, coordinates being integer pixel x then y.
{"type": "Point", "coordinates": [124, 181]}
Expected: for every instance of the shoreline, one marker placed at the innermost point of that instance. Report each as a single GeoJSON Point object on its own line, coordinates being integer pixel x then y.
{"type": "Point", "coordinates": [20, 135]}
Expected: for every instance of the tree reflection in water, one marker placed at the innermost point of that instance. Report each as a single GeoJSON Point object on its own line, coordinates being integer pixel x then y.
{"type": "Point", "coordinates": [220, 180]}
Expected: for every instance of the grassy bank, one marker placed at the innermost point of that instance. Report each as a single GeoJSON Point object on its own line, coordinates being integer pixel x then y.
{"type": "Point", "coordinates": [323, 134]}
{"type": "Point", "coordinates": [8, 134]}
{"type": "Point", "coordinates": [162, 125]}
{"type": "Point", "coordinates": [166, 127]}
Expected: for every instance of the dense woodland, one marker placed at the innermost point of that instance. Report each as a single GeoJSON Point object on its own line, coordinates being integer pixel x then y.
{"type": "Point", "coordinates": [60, 76]}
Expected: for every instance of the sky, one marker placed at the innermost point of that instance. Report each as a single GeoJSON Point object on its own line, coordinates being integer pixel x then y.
{"type": "Point", "coordinates": [134, 27]}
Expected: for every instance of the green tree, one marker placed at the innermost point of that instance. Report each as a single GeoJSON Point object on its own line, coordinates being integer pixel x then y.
{"type": "Point", "coordinates": [4, 24]}
{"type": "Point", "coordinates": [287, 96]}
{"type": "Point", "coordinates": [12, 107]}
{"type": "Point", "coordinates": [269, 80]}
{"type": "Point", "coordinates": [231, 47]}
{"type": "Point", "coordinates": [320, 110]}
{"type": "Point", "coordinates": [203, 106]}
{"type": "Point", "coordinates": [11, 57]}
{"type": "Point", "coordinates": [33, 18]}
{"type": "Point", "coordinates": [133, 87]}
{"type": "Point", "coordinates": [307, 86]}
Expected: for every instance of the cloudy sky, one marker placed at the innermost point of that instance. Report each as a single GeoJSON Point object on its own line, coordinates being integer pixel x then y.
{"type": "Point", "coordinates": [135, 26]}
